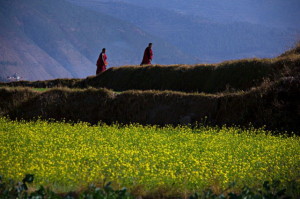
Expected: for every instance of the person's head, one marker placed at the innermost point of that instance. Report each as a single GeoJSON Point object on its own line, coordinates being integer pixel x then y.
{"type": "Point", "coordinates": [150, 45]}
{"type": "Point", "coordinates": [103, 50]}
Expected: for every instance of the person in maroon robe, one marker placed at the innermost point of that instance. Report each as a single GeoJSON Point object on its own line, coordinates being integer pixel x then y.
{"type": "Point", "coordinates": [101, 62]}
{"type": "Point", "coordinates": [148, 55]}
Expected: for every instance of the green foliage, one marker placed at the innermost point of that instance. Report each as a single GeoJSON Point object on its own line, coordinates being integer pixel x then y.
{"type": "Point", "coordinates": [15, 190]}
{"type": "Point", "coordinates": [20, 191]}
{"type": "Point", "coordinates": [106, 192]}
{"type": "Point", "coordinates": [268, 191]}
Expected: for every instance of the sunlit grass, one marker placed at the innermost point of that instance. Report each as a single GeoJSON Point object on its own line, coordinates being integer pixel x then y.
{"type": "Point", "coordinates": [67, 156]}
{"type": "Point", "coordinates": [40, 89]}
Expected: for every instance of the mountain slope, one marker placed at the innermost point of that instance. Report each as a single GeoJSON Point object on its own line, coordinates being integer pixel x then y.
{"type": "Point", "coordinates": [55, 39]}
{"type": "Point", "coordinates": [277, 13]}
{"type": "Point", "coordinates": [200, 37]}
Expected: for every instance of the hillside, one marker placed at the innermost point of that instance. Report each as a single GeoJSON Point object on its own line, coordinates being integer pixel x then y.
{"type": "Point", "coordinates": [55, 39]}
{"type": "Point", "coordinates": [275, 13]}
{"type": "Point", "coordinates": [261, 92]}
{"type": "Point", "coordinates": [189, 26]}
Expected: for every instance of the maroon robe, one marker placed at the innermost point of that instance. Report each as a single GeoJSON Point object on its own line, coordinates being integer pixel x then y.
{"type": "Point", "coordinates": [101, 63]}
{"type": "Point", "coordinates": [148, 55]}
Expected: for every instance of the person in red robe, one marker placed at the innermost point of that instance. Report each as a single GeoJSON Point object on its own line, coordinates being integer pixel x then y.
{"type": "Point", "coordinates": [101, 62]}
{"type": "Point", "coordinates": [148, 55]}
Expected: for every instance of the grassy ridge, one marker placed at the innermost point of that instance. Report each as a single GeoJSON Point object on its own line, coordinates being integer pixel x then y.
{"type": "Point", "coordinates": [147, 160]}
{"type": "Point", "coordinates": [212, 78]}
{"type": "Point", "coordinates": [235, 75]}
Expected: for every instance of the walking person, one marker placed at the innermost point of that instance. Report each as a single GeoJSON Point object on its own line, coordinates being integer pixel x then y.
{"type": "Point", "coordinates": [148, 55]}
{"type": "Point", "coordinates": [101, 62]}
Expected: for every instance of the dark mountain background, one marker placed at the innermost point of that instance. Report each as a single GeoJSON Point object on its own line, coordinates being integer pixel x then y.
{"type": "Point", "coordinates": [211, 30]}
{"type": "Point", "coordinates": [277, 13]}
{"type": "Point", "coordinates": [43, 39]}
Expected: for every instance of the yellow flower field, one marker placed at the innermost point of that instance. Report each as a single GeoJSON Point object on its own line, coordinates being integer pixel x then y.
{"type": "Point", "coordinates": [67, 156]}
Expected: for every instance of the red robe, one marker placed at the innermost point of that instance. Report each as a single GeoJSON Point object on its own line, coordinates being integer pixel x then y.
{"type": "Point", "coordinates": [101, 63]}
{"type": "Point", "coordinates": [148, 55]}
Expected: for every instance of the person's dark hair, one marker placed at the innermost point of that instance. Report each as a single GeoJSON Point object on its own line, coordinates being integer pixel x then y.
{"type": "Point", "coordinates": [150, 44]}
{"type": "Point", "coordinates": [103, 49]}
